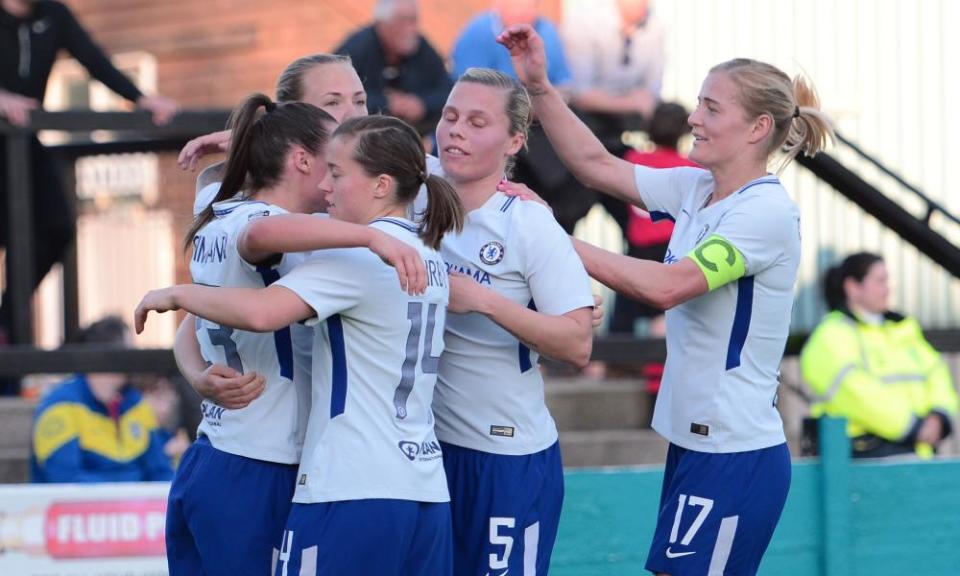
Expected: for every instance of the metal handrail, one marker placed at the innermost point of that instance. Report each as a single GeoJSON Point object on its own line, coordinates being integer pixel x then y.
{"type": "Point", "coordinates": [932, 205]}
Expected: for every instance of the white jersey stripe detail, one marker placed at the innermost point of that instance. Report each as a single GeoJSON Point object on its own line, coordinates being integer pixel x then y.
{"type": "Point", "coordinates": [308, 561]}
{"type": "Point", "coordinates": [531, 541]}
{"type": "Point", "coordinates": [721, 551]}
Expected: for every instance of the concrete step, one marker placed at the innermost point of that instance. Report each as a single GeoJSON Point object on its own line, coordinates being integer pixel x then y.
{"type": "Point", "coordinates": [612, 448]}
{"type": "Point", "coordinates": [14, 465]}
{"type": "Point", "coordinates": [16, 421]}
{"type": "Point", "coordinates": [582, 404]}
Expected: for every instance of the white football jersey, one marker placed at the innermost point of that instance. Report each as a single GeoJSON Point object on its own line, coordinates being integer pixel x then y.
{"type": "Point", "coordinates": [490, 393]}
{"type": "Point", "coordinates": [371, 433]}
{"type": "Point", "coordinates": [270, 428]}
{"type": "Point", "coordinates": [719, 386]}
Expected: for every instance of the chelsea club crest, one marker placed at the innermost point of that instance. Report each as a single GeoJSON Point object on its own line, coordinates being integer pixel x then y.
{"type": "Point", "coordinates": [491, 253]}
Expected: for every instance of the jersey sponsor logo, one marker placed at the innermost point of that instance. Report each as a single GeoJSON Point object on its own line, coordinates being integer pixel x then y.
{"type": "Point", "coordinates": [478, 275]}
{"type": "Point", "coordinates": [671, 554]}
{"type": "Point", "coordinates": [670, 258]}
{"type": "Point", "coordinates": [136, 430]}
{"type": "Point", "coordinates": [505, 431]}
{"type": "Point", "coordinates": [212, 413]}
{"type": "Point", "coordinates": [209, 249]}
{"type": "Point", "coordinates": [491, 253]}
{"type": "Point", "coordinates": [701, 429]}
{"type": "Point", "coordinates": [422, 451]}
{"type": "Point", "coordinates": [303, 480]}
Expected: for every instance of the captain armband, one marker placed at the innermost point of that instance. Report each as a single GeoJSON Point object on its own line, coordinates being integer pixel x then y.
{"type": "Point", "coordinates": [719, 260]}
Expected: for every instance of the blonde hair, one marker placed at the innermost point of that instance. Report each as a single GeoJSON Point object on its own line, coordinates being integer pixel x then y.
{"type": "Point", "coordinates": [518, 108]}
{"type": "Point", "coordinates": [799, 124]}
{"type": "Point", "coordinates": [290, 83]}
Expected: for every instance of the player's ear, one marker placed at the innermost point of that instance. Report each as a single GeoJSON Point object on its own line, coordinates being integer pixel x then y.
{"type": "Point", "coordinates": [301, 159]}
{"type": "Point", "coordinates": [383, 187]}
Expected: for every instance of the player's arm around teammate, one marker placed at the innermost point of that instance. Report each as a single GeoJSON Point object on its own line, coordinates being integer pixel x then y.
{"type": "Point", "coordinates": [371, 473]}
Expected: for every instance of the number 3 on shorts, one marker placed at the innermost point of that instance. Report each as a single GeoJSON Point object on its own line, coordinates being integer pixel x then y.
{"type": "Point", "coordinates": [497, 539]}
{"type": "Point", "coordinates": [705, 505]}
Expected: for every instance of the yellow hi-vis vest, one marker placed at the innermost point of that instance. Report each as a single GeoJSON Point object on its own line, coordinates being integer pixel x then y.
{"type": "Point", "coordinates": [883, 378]}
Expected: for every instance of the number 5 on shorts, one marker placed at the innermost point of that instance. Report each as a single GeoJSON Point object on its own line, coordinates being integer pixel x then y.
{"type": "Point", "coordinates": [497, 539]}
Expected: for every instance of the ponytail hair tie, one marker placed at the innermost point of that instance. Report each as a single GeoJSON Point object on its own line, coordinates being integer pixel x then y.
{"type": "Point", "coordinates": [270, 106]}
{"type": "Point", "coordinates": [796, 111]}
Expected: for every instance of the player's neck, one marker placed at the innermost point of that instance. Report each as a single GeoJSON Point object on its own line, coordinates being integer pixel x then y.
{"type": "Point", "coordinates": [729, 179]}
{"type": "Point", "coordinates": [389, 212]}
{"type": "Point", "coordinates": [17, 8]}
{"type": "Point", "coordinates": [279, 197]}
{"type": "Point", "coordinates": [475, 193]}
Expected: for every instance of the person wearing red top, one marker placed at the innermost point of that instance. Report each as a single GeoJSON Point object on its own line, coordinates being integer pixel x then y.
{"type": "Point", "coordinates": [648, 237]}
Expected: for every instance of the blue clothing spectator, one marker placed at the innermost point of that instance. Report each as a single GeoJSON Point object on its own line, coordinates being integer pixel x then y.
{"type": "Point", "coordinates": [78, 438]}
{"type": "Point", "coordinates": [477, 47]}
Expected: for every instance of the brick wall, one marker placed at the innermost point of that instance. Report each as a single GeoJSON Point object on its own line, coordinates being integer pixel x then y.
{"type": "Point", "coordinates": [214, 53]}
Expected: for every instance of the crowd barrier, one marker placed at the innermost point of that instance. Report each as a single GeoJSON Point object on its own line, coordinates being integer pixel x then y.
{"type": "Point", "coordinates": [842, 518]}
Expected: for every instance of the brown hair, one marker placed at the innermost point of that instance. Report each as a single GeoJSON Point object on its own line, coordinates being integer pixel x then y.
{"type": "Point", "coordinates": [290, 83]}
{"type": "Point", "coordinates": [518, 108]}
{"type": "Point", "coordinates": [385, 145]}
{"type": "Point", "coordinates": [799, 124]}
{"type": "Point", "coordinates": [260, 144]}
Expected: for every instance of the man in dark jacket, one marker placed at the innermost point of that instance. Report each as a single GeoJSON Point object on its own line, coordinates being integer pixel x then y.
{"type": "Point", "coordinates": [32, 32]}
{"type": "Point", "coordinates": [403, 74]}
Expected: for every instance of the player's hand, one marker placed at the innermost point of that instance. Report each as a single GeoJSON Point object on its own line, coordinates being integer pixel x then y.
{"type": "Point", "coordinates": [597, 319]}
{"type": "Point", "coordinates": [161, 300]}
{"type": "Point", "coordinates": [522, 192]}
{"type": "Point", "coordinates": [229, 388]}
{"type": "Point", "coordinates": [16, 108]}
{"type": "Point", "coordinates": [199, 147]}
{"type": "Point", "coordinates": [162, 108]}
{"type": "Point", "coordinates": [528, 55]}
{"type": "Point", "coordinates": [405, 258]}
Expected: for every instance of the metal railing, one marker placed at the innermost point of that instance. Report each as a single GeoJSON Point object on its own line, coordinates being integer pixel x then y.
{"type": "Point", "coordinates": [117, 132]}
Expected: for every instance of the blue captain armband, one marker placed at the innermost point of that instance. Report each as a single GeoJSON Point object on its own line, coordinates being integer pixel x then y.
{"type": "Point", "coordinates": [719, 260]}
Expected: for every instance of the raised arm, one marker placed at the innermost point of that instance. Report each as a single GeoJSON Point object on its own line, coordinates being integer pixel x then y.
{"type": "Point", "coordinates": [252, 309]}
{"type": "Point", "coordinates": [284, 233]}
{"type": "Point", "coordinates": [576, 145]}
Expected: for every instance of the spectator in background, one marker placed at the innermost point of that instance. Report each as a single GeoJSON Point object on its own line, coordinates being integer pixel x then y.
{"type": "Point", "coordinates": [477, 47]}
{"type": "Point", "coordinates": [617, 65]}
{"type": "Point", "coordinates": [537, 165]}
{"type": "Point", "coordinates": [874, 367]}
{"type": "Point", "coordinates": [402, 73]}
{"type": "Point", "coordinates": [646, 238]}
{"type": "Point", "coordinates": [32, 33]}
{"type": "Point", "coordinates": [164, 397]}
{"type": "Point", "coordinates": [96, 427]}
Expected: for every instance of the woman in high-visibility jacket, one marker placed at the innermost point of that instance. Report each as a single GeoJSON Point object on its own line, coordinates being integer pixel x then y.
{"type": "Point", "coordinates": [874, 367]}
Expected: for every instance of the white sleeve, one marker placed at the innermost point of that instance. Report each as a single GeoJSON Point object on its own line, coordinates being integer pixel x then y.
{"type": "Point", "coordinates": [663, 190]}
{"type": "Point", "coordinates": [204, 197]}
{"type": "Point", "coordinates": [556, 276]}
{"type": "Point", "coordinates": [330, 281]}
{"type": "Point", "coordinates": [761, 229]}
{"type": "Point", "coordinates": [259, 211]}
